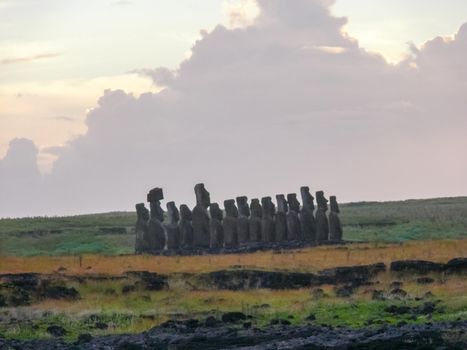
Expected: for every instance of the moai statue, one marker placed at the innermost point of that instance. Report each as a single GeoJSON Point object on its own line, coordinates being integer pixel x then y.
{"type": "Point", "coordinates": [294, 232]}
{"type": "Point", "coordinates": [255, 221]}
{"type": "Point", "coordinates": [215, 225]}
{"type": "Point", "coordinates": [156, 232]}
{"type": "Point", "coordinates": [307, 218]}
{"type": "Point", "coordinates": [186, 227]}
{"type": "Point", "coordinates": [172, 228]}
{"type": "Point", "coordinates": [322, 224]}
{"type": "Point", "coordinates": [268, 231]}
{"type": "Point", "coordinates": [141, 228]}
{"type": "Point", "coordinates": [230, 224]}
{"type": "Point", "coordinates": [281, 218]}
{"type": "Point", "coordinates": [335, 226]}
{"type": "Point", "coordinates": [201, 234]}
{"type": "Point", "coordinates": [243, 227]}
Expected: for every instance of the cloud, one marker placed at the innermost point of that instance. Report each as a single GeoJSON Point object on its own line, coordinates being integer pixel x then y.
{"type": "Point", "coordinates": [29, 58]}
{"type": "Point", "coordinates": [121, 3]}
{"type": "Point", "coordinates": [287, 100]}
{"type": "Point", "coordinates": [65, 119]}
{"type": "Point", "coordinates": [160, 76]}
{"type": "Point", "coordinates": [20, 183]}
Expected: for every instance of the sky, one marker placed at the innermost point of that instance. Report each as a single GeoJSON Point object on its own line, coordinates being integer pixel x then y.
{"type": "Point", "coordinates": [102, 100]}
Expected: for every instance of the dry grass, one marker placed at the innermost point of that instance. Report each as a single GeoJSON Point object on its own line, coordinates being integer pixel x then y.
{"type": "Point", "coordinates": [310, 259]}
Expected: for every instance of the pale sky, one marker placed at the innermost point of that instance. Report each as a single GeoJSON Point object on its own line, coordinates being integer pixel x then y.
{"type": "Point", "coordinates": [57, 57]}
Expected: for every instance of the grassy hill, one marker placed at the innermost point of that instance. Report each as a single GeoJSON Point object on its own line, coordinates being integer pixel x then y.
{"type": "Point", "coordinates": [113, 233]}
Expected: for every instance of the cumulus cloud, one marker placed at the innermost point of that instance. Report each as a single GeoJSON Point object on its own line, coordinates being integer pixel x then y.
{"type": "Point", "coordinates": [287, 100]}
{"type": "Point", "coordinates": [20, 183]}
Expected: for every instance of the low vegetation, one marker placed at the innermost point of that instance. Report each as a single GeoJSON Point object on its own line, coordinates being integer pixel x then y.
{"type": "Point", "coordinates": [105, 302]}
{"type": "Point", "coordinates": [91, 289]}
{"type": "Point", "coordinates": [113, 233]}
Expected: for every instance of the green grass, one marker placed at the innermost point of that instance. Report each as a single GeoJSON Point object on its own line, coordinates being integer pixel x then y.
{"type": "Point", "coordinates": [113, 233]}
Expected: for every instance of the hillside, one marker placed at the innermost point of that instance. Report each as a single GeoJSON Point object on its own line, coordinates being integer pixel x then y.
{"type": "Point", "coordinates": [113, 233]}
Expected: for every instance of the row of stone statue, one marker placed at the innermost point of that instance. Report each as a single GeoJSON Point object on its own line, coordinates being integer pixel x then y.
{"type": "Point", "coordinates": [242, 225]}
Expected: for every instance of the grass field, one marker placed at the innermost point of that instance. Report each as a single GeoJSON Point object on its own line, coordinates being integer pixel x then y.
{"type": "Point", "coordinates": [102, 245]}
{"type": "Point", "coordinates": [113, 233]}
{"type": "Point", "coordinates": [305, 260]}
{"type": "Point", "coordinates": [103, 301]}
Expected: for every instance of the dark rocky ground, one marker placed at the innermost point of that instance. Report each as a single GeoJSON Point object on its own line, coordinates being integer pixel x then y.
{"type": "Point", "coordinates": [216, 334]}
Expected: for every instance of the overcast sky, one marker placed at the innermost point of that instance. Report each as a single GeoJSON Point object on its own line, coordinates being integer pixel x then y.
{"type": "Point", "coordinates": [362, 98]}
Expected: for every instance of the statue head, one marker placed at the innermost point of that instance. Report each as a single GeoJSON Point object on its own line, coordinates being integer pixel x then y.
{"type": "Point", "coordinates": [294, 204]}
{"type": "Point", "coordinates": [322, 201]}
{"type": "Point", "coordinates": [307, 198]}
{"type": "Point", "coordinates": [334, 205]}
{"type": "Point", "coordinates": [282, 205]}
{"type": "Point", "coordinates": [256, 209]}
{"type": "Point", "coordinates": [243, 207]}
{"type": "Point", "coordinates": [230, 208]}
{"type": "Point", "coordinates": [216, 212]}
{"type": "Point", "coordinates": [155, 195]}
{"type": "Point", "coordinates": [185, 213]}
{"type": "Point", "coordinates": [269, 209]}
{"type": "Point", "coordinates": [172, 213]}
{"type": "Point", "coordinates": [141, 212]}
{"type": "Point", "coordinates": [202, 196]}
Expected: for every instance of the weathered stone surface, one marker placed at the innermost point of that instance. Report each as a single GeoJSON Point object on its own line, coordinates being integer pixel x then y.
{"type": "Point", "coordinates": [293, 226]}
{"type": "Point", "coordinates": [243, 223]}
{"type": "Point", "coordinates": [416, 266]}
{"type": "Point", "coordinates": [141, 228]}
{"type": "Point", "coordinates": [255, 221]}
{"type": "Point", "coordinates": [249, 228]}
{"type": "Point", "coordinates": [155, 237]}
{"type": "Point", "coordinates": [294, 232]}
{"type": "Point", "coordinates": [281, 218]}
{"type": "Point", "coordinates": [215, 226]}
{"type": "Point", "coordinates": [173, 230]}
{"type": "Point", "coordinates": [154, 197]}
{"type": "Point", "coordinates": [294, 204]}
{"type": "Point", "coordinates": [194, 334]}
{"type": "Point", "coordinates": [185, 226]}
{"type": "Point", "coordinates": [268, 231]}
{"type": "Point", "coordinates": [307, 218]}
{"type": "Point", "coordinates": [335, 225]}
{"type": "Point", "coordinates": [201, 231]}
{"type": "Point", "coordinates": [322, 224]}
{"type": "Point", "coordinates": [230, 224]}
{"type": "Point", "coordinates": [243, 207]}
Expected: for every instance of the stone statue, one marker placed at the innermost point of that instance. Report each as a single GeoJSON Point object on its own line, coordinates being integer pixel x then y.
{"type": "Point", "coordinates": [172, 228]}
{"type": "Point", "coordinates": [322, 224]}
{"type": "Point", "coordinates": [281, 218]}
{"type": "Point", "coordinates": [186, 227]}
{"type": "Point", "coordinates": [294, 232]}
{"type": "Point", "coordinates": [255, 221]}
{"type": "Point", "coordinates": [201, 234]}
{"type": "Point", "coordinates": [230, 224]}
{"type": "Point", "coordinates": [335, 226]}
{"type": "Point", "coordinates": [156, 232]}
{"type": "Point", "coordinates": [268, 231]}
{"type": "Point", "coordinates": [307, 218]}
{"type": "Point", "coordinates": [141, 228]}
{"type": "Point", "coordinates": [215, 226]}
{"type": "Point", "coordinates": [243, 222]}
